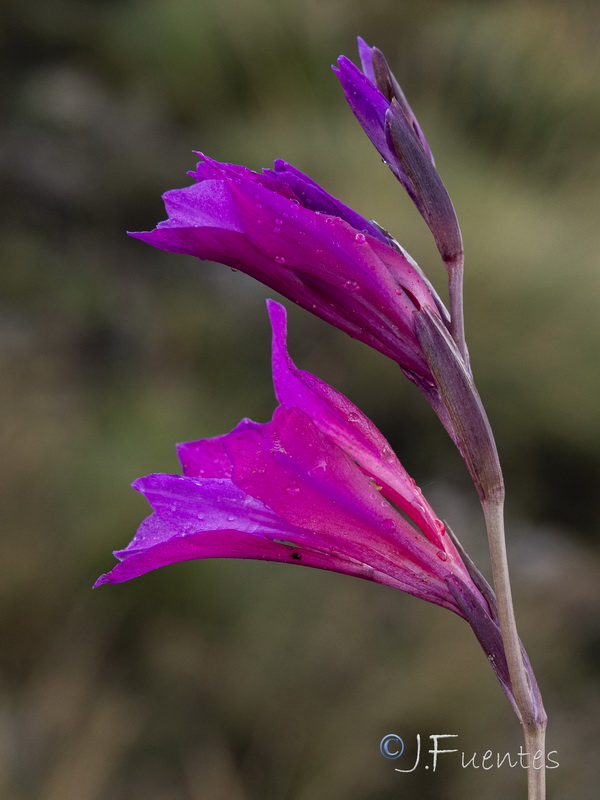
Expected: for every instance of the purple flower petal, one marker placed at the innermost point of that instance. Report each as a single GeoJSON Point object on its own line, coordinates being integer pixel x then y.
{"type": "Point", "coordinates": [313, 196]}
{"type": "Point", "coordinates": [215, 519]}
{"type": "Point", "coordinates": [207, 458]}
{"type": "Point", "coordinates": [368, 105]}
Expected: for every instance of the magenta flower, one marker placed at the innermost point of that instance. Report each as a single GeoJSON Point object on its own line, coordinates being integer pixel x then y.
{"type": "Point", "coordinates": [317, 486]}
{"type": "Point", "coordinates": [379, 104]}
{"type": "Point", "coordinates": [282, 228]}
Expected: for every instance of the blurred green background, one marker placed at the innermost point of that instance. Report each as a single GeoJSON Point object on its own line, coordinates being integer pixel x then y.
{"type": "Point", "coordinates": [243, 681]}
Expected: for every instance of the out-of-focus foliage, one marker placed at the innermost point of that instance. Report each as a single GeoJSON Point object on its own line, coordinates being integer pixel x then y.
{"type": "Point", "coordinates": [243, 681]}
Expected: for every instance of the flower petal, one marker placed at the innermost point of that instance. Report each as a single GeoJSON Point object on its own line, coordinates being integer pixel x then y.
{"type": "Point", "coordinates": [313, 196]}
{"type": "Point", "coordinates": [207, 458]}
{"type": "Point", "coordinates": [215, 519]}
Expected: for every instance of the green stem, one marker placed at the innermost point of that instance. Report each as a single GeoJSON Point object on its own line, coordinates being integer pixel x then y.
{"type": "Point", "coordinates": [535, 744]}
{"type": "Point", "coordinates": [528, 702]}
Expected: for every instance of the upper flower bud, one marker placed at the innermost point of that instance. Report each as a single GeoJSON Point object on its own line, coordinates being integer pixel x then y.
{"type": "Point", "coordinates": [380, 106]}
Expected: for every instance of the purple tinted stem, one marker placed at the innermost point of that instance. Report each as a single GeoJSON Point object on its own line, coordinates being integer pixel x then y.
{"type": "Point", "coordinates": [457, 318]}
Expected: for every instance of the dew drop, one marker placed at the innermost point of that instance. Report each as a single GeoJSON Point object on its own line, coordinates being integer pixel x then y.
{"type": "Point", "coordinates": [388, 524]}
{"type": "Point", "coordinates": [280, 259]}
{"type": "Point", "coordinates": [360, 238]}
{"type": "Point", "coordinates": [398, 291]}
{"type": "Point", "coordinates": [278, 222]}
{"type": "Point", "coordinates": [293, 489]}
{"type": "Point", "coordinates": [440, 526]}
{"type": "Point", "coordinates": [354, 286]}
{"type": "Point", "coordinates": [442, 556]}
{"type": "Point", "coordinates": [353, 417]}
{"type": "Point", "coordinates": [276, 230]}
{"type": "Point", "coordinates": [230, 518]}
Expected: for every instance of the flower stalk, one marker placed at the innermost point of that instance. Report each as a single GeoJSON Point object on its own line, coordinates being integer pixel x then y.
{"type": "Point", "coordinates": [525, 691]}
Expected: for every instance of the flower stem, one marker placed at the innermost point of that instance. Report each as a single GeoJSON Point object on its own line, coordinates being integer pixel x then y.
{"type": "Point", "coordinates": [527, 698]}
{"type": "Point", "coordinates": [457, 319]}
{"type": "Point", "coordinates": [535, 741]}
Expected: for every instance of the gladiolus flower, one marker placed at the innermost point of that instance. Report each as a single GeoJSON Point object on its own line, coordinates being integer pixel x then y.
{"type": "Point", "coordinates": [318, 486]}
{"type": "Point", "coordinates": [282, 228]}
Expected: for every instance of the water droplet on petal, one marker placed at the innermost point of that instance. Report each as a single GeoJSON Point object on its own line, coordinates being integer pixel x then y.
{"type": "Point", "coordinates": [293, 489]}
{"type": "Point", "coordinates": [354, 286]}
{"type": "Point", "coordinates": [442, 556]}
{"type": "Point", "coordinates": [360, 238]}
{"type": "Point", "coordinates": [233, 269]}
{"type": "Point", "coordinates": [280, 259]}
{"type": "Point", "coordinates": [230, 518]}
{"type": "Point", "coordinates": [440, 526]}
{"type": "Point", "coordinates": [278, 222]}
{"type": "Point", "coordinates": [388, 524]}
{"type": "Point", "coordinates": [398, 291]}
{"type": "Point", "coordinates": [276, 230]}
{"type": "Point", "coordinates": [353, 417]}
